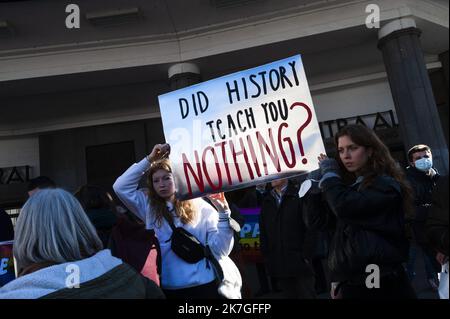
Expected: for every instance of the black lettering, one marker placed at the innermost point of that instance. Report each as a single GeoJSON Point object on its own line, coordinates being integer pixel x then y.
{"type": "Point", "coordinates": [263, 77]}
{"type": "Point", "coordinates": [380, 122]}
{"type": "Point", "coordinates": [284, 77]}
{"type": "Point", "coordinates": [200, 104]}
{"type": "Point", "coordinates": [341, 123]}
{"type": "Point", "coordinates": [283, 109]}
{"type": "Point", "coordinates": [294, 72]}
{"type": "Point", "coordinates": [235, 90]}
{"type": "Point", "coordinates": [252, 79]}
{"type": "Point", "coordinates": [264, 106]}
{"type": "Point", "coordinates": [277, 84]}
{"type": "Point", "coordinates": [239, 122]}
{"type": "Point", "coordinates": [222, 136]}
{"type": "Point", "coordinates": [244, 83]}
{"type": "Point", "coordinates": [391, 114]}
{"type": "Point", "coordinates": [184, 112]}
{"type": "Point", "coordinates": [273, 111]}
{"type": "Point", "coordinates": [250, 117]}
{"type": "Point", "coordinates": [194, 104]}
{"type": "Point", "coordinates": [231, 125]}
{"type": "Point", "coordinates": [212, 130]}
{"type": "Point", "coordinates": [360, 121]}
{"type": "Point", "coordinates": [330, 127]}
{"type": "Point", "coordinates": [321, 130]}
{"type": "Point", "coordinates": [11, 178]}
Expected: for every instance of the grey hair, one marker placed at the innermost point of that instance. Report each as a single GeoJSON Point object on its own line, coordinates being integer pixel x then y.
{"type": "Point", "coordinates": [53, 228]}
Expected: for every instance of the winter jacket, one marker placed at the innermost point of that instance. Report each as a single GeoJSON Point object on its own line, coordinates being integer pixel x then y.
{"type": "Point", "coordinates": [6, 227]}
{"type": "Point", "coordinates": [101, 276]}
{"type": "Point", "coordinates": [437, 222]}
{"type": "Point", "coordinates": [367, 224]}
{"type": "Point", "coordinates": [282, 235]}
{"type": "Point", "coordinates": [209, 227]}
{"type": "Point", "coordinates": [128, 240]}
{"type": "Point", "coordinates": [422, 185]}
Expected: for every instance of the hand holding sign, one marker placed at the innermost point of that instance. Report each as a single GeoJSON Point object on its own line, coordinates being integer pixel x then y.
{"type": "Point", "coordinates": [219, 201]}
{"type": "Point", "coordinates": [159, 151]}
{"type": "Point", "coordinates": [242, 129]}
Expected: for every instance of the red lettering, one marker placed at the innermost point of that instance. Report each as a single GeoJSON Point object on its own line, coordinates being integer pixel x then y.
{"type": "Point", "coordinates": [198, 179]}
{"type": "Point", "coordinates": [252, 153]}
{"type": "Point", "coordinates": [263, 145]}
{"type": "Point", "coordinates": [291, 147]}
{"type": "Point", "coordinates": [205, 169]}
{"type": "Point", "coordinates": [235, 155]}
{"type": "Point", "coordinates": [224, 157]}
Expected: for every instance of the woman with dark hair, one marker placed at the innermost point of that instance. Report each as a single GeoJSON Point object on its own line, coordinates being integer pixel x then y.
{"type": "Point", "coordinates": [362, 199]}
{"type": "Point", "coordinates": [99, 207]}
{"type": "Point", "coordinates": [6, 227]}
{"type": "Point", "coordinates": [160, 208]}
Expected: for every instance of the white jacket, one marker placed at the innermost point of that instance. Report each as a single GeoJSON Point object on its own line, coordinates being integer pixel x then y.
{"type": "Point", "coordinates": [176, 273]}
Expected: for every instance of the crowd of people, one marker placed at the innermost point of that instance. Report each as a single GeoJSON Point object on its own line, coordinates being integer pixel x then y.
{"type": "Point", "coordinates": [353, 227]}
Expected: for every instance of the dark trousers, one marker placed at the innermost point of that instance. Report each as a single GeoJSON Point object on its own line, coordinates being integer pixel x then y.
{"type": "Point", "coordinates": [297, 287]}
{"type": "Point", "coordinates": [206, 291]}
{"type": "Point", "coordinates": [392, 286]}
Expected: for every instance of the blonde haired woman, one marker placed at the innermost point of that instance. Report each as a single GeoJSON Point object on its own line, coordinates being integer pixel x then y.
{"type": "Point", "coordinates": [179, 278]}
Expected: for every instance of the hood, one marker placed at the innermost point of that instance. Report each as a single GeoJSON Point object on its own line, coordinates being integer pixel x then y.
{"type": "Point", "coordinates": [53, 278]}
{"type": "Point", "coordinates": [102, 218]}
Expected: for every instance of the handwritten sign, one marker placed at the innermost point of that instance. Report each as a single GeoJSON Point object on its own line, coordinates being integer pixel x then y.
{"type": "Point", "coordinates": [242, 129]}
{"type": "Point", "coordinates": [6, 262]}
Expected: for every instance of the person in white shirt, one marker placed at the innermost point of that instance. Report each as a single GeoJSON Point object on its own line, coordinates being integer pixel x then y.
{"type": "Point", "coordinates": [179, 279]}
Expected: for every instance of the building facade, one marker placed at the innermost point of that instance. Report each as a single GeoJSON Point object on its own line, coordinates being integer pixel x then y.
{"type": "Point", "coordinates": [78, 103]}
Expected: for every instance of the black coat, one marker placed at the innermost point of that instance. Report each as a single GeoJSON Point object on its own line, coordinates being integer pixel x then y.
{"type": "Point", "coordinates": [6, 227]}
{"type": "Point", "coordinates": [367, 224]}
{"type": "Point", "coordinates": [282, 235]}
{"type": "Point", "coordinates": [437, 222]}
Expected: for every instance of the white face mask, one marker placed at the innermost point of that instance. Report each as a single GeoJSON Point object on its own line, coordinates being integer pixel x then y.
{"type": "Point", "coordinates": [424, 164]}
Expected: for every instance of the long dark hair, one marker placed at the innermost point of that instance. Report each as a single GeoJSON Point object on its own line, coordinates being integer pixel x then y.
{"type": "Point", "coordinates": [380, 162]}
{"type": "Point", "coordinates": [95, 197]}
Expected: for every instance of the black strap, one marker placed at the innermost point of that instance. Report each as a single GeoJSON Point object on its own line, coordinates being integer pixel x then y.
{"type": "Point", "coordinates": [169, 219]}
{"type": "Point", "coordinates": [210, 257]}
{"type": "Point", "coordinates": [207, 250]}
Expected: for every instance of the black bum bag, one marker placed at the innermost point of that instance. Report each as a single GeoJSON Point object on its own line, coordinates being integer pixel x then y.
{"type": "Point", "coordinates": [186, 246]}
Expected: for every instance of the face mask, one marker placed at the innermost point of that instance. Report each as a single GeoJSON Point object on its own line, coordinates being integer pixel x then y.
{"type": "Point", "coordinates": [424, 164]}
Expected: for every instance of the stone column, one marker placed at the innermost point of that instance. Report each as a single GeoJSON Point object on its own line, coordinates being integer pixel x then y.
{"type": "Point", "coordinates": [183, 74]}
{"type": "Point", "coordinates": [417, 113]}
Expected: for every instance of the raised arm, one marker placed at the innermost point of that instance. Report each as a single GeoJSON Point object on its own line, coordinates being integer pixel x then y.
{"type": "Point", "coordinates": [126, 189]}
{"type": "Point", "coordinates": [356, 204]}
{"type": "Point", "coordinates": [219, 233]}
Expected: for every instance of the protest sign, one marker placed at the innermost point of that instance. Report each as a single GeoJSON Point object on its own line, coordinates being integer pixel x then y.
{"type": "Point", "coordinates": [249, 234]}
{"type": "Point", "coordinates": [241, 129]}
{"type": "Point", "coordinates": [6, 262]}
